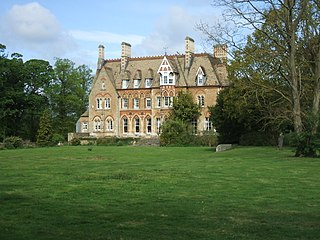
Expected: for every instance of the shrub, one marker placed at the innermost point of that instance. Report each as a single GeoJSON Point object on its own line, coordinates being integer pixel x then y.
{"type": "Point", "coordinates": [75, 142]}
{"type": "Point", "coordinates": [174, 133]}
{"type": "Point", "coordinates": [307, 144]}
{"type": "Point", "coordinates": [115, 141]}
{"type": "Point", "coordinates": [208, 138]}
{"type": "Point", "coordinates": [13, 142]}
{"type": "Point", "coordinates": [57, 138]}
{"type": "Point", "coordinates": [257, 139]}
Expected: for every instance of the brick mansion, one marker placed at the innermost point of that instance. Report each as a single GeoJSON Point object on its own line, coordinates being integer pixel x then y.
{"type": "Point", "coordinates": [132, 96]}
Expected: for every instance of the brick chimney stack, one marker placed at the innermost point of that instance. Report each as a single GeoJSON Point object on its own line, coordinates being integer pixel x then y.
{"type": "Point", "coordinates": [189, 50]}
{"type": "Point", "coordinates": [220, 51]}
{"type": "Point", "coordinates": [125, 54]}
{"type": "Point", "coordinates": [100, 56]}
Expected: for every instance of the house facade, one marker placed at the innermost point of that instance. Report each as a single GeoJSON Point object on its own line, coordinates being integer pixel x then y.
{"type": "Point", "coordinates": [132, 96]}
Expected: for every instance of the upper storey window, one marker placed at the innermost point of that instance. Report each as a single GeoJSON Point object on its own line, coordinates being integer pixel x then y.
{"type": "Point", "coordinates": [136, 83]}
{"type": "Point", "coordinates": [125, 83]}
{"type": "Point", "coordinates": [148, 82]}
{"type": "Point", "coordinates": [200, 77]}
{"type": "Point", "coordinates": [165, 70]}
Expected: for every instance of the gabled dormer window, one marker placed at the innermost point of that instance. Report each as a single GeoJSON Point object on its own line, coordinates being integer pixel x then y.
{"type": "Point", "coordinates": [166, 73]}
{"type": "Point", "coordinates": [125, 83]}
{"type": "Point", "coordinates": [200, 78]}
{"type": "Point", "coordinates": [136, 83]}
{"type": "Point", "coordinates": [148, 82]}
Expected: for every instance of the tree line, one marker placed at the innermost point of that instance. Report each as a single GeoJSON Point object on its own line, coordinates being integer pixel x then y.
{"type": "Point", "coordinates": [32, 88]}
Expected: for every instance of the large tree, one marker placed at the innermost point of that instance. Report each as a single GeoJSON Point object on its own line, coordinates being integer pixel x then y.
{"type": "Point", "coordinates": [11, 93]}
{"type": "Point", "coordinates": [68, 94]}
{"type": "Point", "coordinates": [38, 75]}
{"type": "Point", "coordinates": [282, 25]}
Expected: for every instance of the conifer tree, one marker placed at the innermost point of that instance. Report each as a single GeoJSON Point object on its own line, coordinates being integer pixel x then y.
{"type": "Point", "coordinates": [45, 133]}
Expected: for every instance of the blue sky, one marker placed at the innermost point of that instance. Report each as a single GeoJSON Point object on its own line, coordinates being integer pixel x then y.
{"type": "Point", "coordinates": [73, 29]}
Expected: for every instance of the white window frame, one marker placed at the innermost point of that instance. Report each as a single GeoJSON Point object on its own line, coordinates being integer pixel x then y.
{"type": "Point", "coordinates": [171, 78]}
{"type": "Point", "coordinates": [148, 125]}
{"type": "Point", "coordinates": [99, 103]}
{"type": "Point", "coordinates": [97, 125]}
{"type": "Point", "coordinates": [158, 102]}
{"type": "Point", "coordinates": [200, 79]}
{"type": "Point", "coordinates": [166, 101]}
{"type": "Point", "coordinates": [125, 83]}
{"type": "Point", "coordinates": [136, 83]}
{"type": "Point", "coordinates": [109, 124]}
{"type": "Point", "coordinates": [158, 124]}
{"type": "Point", "coordinates": [107, 103]}
{"type": "Point", "coordinates": [136, 103]}
{"type": "Point", "coordinates": [201, 100]}
{"type": "Point", "coordinates": [137, 125]}
{"type": "Point", "coordinates": [207, 124]}
{"type": "Point", "coordinates": [148, 82]}
{"type": "Point", "coordinates": [85, 126]}
{"type": "Point", "coordinates": [125, 103]}
{"type": "Point", "coordinates": [165, 78]}
{"type": "Point", "coordinates": [125, 125]}
{"type": "Point", "coordinates": [148, 103]}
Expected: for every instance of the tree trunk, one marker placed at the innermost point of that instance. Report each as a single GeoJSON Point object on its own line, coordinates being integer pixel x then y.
{"type": "Point", "coordinates": [316, 95]}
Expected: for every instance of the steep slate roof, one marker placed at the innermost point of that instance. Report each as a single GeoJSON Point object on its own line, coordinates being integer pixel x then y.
{"type": "Point", "coordinates": [144, 67]}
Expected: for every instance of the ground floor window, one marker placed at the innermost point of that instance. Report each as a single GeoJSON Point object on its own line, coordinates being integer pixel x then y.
{"type": "Point", "coordinates": [158, 124]}
{"type": "Point", "coordinates": [137, 125]}
{"type": "Point", "coordinates": [194, 126]}
{"type": "Point", "coordinates": [125, 125]}
{"type": "Point", "coordinates": [109, 125]}
{"type": "Point", "coordinates": [84, 126]}
{"type": "Point", "coordinates": [207, 124]}
{"type": "Point", "coordinates": [97, 124]}
{"type": "Point", "coordinates": [148, 125]}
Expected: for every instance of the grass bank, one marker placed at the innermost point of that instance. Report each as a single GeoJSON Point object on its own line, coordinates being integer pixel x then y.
{"type": "Point", "coordinates": [158, 193]}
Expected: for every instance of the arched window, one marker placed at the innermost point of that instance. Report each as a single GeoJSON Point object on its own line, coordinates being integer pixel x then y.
{"type": "Point", "coordinates": [207, 124]}
{"type": "Point", "coordinates": [125, 125]}
{"type": "Point", "coordinates": [148, 82]}
{"type": "Point", "coordinates": [148, 125]}
{"type": "Point", "coordinates": [97, 124]}
{"type": "Point", "coordinates": [171, 78]}
{"type": "Point", "coordinates": [99, 103]}
{"type": "Point", "coordinates": [201, 101]}
{"type": "Point", "coordinates": [201, 78]}
{"type": "Point", "coordinates": [109, 124]}
{"type": "Point", "coordinates": [158, 124]}
{"type": "Point", "coordinates": [136, 125]}
{"type": "Point", "coordinates": [107, 103]}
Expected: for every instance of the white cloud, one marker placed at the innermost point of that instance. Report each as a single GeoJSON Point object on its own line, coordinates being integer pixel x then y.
{"type": "Point", "coordinates": [33, 27]}
{"type": "Point", "coordinates": [170, 32]}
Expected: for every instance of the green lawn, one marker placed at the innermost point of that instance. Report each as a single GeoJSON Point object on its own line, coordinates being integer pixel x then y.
{"type": "Point", "coordinates": [158, 193]}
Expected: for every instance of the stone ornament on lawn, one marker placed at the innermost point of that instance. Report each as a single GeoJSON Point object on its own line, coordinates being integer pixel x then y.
{"type": "Point", "coordinates": [223, 147]}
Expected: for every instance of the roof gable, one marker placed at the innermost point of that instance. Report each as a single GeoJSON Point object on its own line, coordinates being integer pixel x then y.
{"type": "Point", "coordinates": [165, 66]}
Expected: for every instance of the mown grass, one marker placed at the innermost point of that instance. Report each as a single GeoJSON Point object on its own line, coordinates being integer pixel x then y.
{"type": "Point", "coordinates": [158, 193]}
